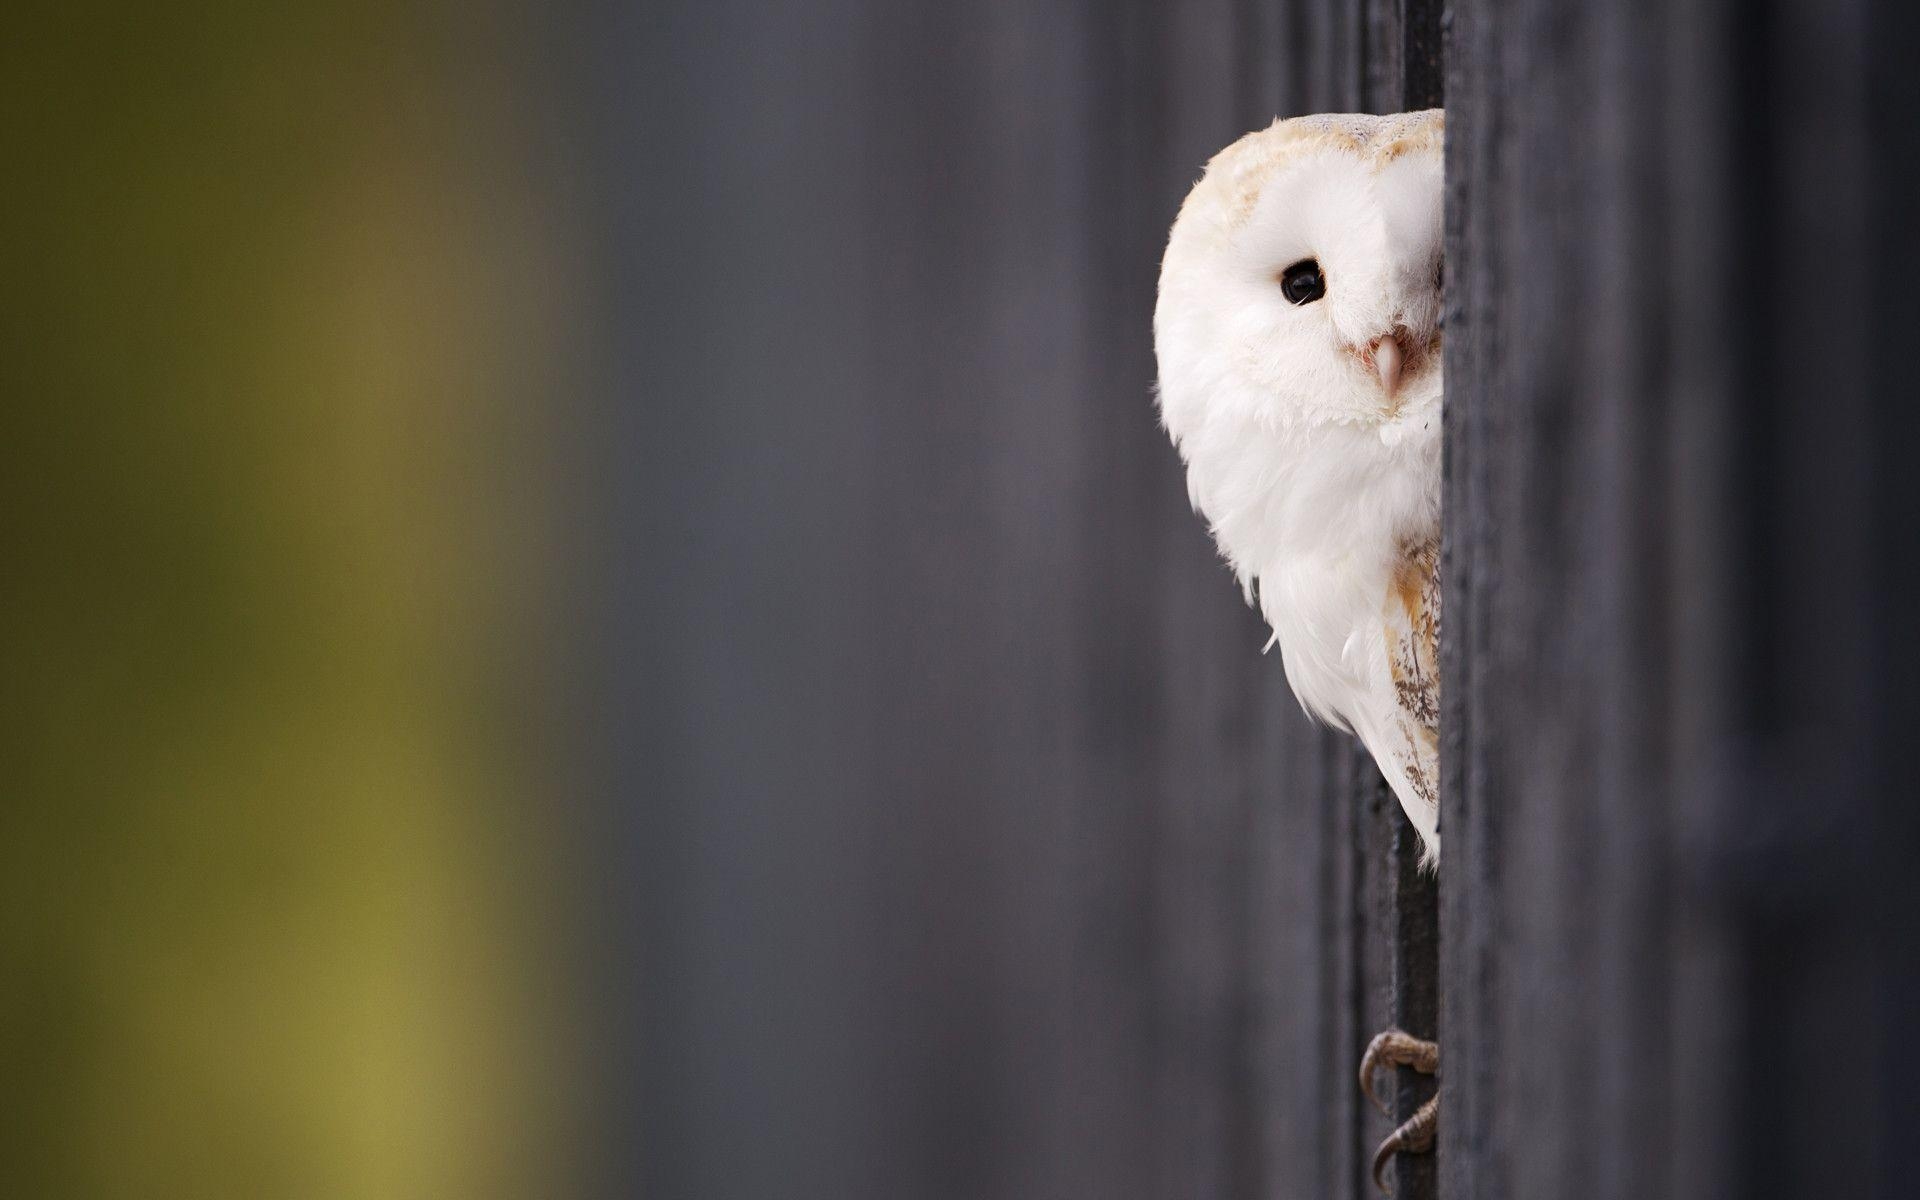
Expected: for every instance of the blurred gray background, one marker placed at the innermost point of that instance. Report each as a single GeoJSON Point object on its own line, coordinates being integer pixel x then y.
{"type": "Point", "coordinates": [953, 782]}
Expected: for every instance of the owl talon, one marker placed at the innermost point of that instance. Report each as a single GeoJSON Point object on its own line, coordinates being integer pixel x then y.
{"type": "Point", "coordinates": [1397, 1048]}
{"type": "Point", "coordinates": [1414, 1137]}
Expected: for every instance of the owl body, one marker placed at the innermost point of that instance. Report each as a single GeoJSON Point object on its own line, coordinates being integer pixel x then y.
{"type": "Point", "coordinates": [1298, 336]}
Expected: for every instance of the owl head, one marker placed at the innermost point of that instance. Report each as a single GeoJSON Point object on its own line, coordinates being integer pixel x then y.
{"type": "Point", "coordinates": [1301, 283]}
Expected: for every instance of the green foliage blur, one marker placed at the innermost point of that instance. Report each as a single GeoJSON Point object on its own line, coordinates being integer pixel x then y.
{"type": "Point", "coordinates": [278, 911]}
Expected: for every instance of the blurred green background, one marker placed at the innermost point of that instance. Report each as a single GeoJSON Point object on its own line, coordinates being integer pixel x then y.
{"type": "Point", "coordinates": [281, 914]}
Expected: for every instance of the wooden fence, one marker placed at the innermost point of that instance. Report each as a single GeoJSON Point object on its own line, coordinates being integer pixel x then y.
{"type": "Point", "coordinates": [1678, 934]}
{"type": "Point", "coordinates": [958, 840]}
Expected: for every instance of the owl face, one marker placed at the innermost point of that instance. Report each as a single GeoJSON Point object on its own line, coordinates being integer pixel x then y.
{"type": "Point", "coordinates": [1301, 285]}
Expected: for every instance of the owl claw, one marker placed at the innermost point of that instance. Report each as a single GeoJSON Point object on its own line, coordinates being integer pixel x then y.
{"type": "Point", "coordinates": [1414, 1137]}
{"type": "Point", "coordinates": [1398, 1048]}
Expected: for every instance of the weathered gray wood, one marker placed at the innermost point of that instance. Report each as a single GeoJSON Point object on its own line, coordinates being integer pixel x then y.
{"type": "Point", "coordinates": [1677, 914]}
{"type": "Point", "coordinates": [960, 841]}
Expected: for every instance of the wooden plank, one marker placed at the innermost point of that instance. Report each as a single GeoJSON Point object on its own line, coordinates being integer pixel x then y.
{"type": "Point", "coordinates": [1678, 550]}
{"type": "Point", "coordinates": [959, 840]}
{"type": "Point", "coordinates": [1550, 955]}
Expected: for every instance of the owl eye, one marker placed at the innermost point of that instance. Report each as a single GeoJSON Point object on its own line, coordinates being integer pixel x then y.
{"type": "Point", "coordinates": [1302, 282]}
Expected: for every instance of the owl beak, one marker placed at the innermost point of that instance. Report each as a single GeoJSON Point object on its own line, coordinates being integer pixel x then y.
{"type": "Point", "coordinates": [1388, 358]}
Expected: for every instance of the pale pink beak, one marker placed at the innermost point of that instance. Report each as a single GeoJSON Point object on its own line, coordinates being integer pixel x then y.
{"type": "Point", "coordinates": [1388, 358]}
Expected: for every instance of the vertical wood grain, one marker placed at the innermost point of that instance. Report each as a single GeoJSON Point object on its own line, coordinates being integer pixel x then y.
{"type": "Point", "coordinates": [959, 841]}
{"type": "Point", "coordinates": [1676, 952]}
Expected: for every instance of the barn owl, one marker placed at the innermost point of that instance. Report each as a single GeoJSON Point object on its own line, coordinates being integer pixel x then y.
{"type": "Point", "coordinates": [1298, 333]}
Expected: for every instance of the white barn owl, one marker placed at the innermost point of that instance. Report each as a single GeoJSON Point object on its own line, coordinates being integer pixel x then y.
{"type": "Point", "coordinates": [1299, 341]}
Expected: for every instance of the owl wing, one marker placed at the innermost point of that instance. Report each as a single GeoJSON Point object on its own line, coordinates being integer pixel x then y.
{"type": "Point", "coordinates": [1410, 618]}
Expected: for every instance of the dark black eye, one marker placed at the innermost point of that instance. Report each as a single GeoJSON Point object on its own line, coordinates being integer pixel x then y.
{"type": "Point", "coordinates": [1302, 282]}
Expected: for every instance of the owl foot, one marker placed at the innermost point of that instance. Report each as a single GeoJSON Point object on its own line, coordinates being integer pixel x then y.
{"type": "Point", "coordinates": [1401, 1049]}
{"type": "Point", "coordinates": [1414, 1137]}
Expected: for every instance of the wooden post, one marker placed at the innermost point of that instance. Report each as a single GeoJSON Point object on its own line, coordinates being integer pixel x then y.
{"type": "Point", "coordinates": [1678, 952]}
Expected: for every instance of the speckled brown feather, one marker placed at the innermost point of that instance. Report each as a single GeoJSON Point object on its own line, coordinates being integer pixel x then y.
{"type": "Point", "coordinates": [1411, 616]}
